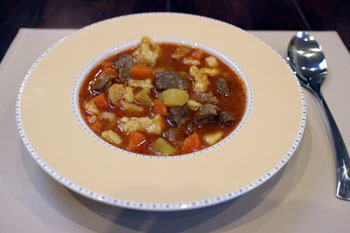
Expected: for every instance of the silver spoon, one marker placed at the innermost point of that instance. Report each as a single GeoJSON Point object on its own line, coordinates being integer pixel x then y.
{"type": "Point", "coordinates": [308, 61]}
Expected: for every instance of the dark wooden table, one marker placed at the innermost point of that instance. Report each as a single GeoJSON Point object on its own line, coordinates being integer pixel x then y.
{"type": "Point", "coordinates": [246, 14]}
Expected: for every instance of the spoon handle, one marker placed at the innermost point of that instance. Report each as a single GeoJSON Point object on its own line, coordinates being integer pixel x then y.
{"type": "Point", "coordinates": [342, 156]}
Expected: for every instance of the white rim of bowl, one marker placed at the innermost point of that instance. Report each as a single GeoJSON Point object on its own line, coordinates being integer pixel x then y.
{"type": "Point", "coordinates": [120, 48]}
{"type": "Point", "coordinates": [156, 206]}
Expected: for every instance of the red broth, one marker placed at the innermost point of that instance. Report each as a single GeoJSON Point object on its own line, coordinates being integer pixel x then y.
{"type": "Point", "coordinates": [207, 116]}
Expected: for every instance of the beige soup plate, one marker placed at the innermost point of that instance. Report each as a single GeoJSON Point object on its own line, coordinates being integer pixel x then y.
{"type": "Point", "coordinates": [71, 155]}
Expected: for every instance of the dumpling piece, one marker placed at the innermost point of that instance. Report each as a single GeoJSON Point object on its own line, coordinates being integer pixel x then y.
{"type": "Point", "coordinates": [201, 81]}
{"type": "Point", "coordinates": [148, 51]}
{"type": "Point", "coordinates": [153, 125]}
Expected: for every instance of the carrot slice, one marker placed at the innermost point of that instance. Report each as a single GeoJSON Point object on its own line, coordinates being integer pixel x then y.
{"type": "Point", "coordinates": [96, 127]}
{"type": "Point", "coordinates": [159, 108]}
{"type": "Point", "coordinates": [110, 72]}
{"type": "Point", "coordinates": [107, 64]}
{"type": "Point", "coordinates": [140, 72]}
{"type": "Point", "coordinates": [191, 144]}
{"type": "Point", "coordinates": [101, 101]}
{"type": "Point", "coordinates": [197, 54]}
{"type": "Point", "coordinates": [135, 139]}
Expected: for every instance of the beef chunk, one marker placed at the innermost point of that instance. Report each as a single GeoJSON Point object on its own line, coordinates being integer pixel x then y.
{"type": "Point", "coordinates": [226, 118]}
{"type": "Point", "coordinates": [175, 136]}
{"type": "Point", "coordinates": [101, 84]}
{"type": "Point", "coordinates": [203, 97]}
{"type": "Point", "coordinates": [123, 65]}
{"type": "Point", "coordinates": [189, 129]}
{"type": "Point", "coordinates": [178, 116]}
{"type": "Point", "coordinates": [222, 88]}
{"type": "Point", "coordinates": [168, 79]}
{"type": "Point", "coordinates": [208, 114]}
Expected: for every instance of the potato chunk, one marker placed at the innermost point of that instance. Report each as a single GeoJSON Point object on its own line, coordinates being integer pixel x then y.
{"type": "Point", "coordinates": [212, 138]}
{"type": "Point", "coordinates": [111, 136]}
{"type": "Point", "coordinates": [107, 116]}
{"type": "Point", "coordinates": [174, 97]}
{"type": "Point", "coordinates": [115, 93]}
{"type": "Point", "coordinates": [194, 105]}
{"type": "Point", "coordinates": [143, 96]}
{"type": "Point", "coordinates": [163, 147]}
{"type": "Point", "coordinates": [148, 51]}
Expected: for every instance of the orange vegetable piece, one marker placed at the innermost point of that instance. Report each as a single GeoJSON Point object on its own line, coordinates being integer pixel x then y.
{"type": "Point", "coordinates": [159, 108]}
{"type": "Point", "coordinates": [135, 139]}
{"type": "Point", "coordinates": [107, 64]}
{"type": "Point", "coordinates": [96, 127]}
{"type": "Point", "coordinates": [191, 144]}
{"type": "Point", "coordinates": [110, 72]}
{"type": "Point", "coordinates": [197, 54]}
{"type": "Point", "coordinates": [101, 101]}
{"type": "Point", "coordinates": [140, 72]}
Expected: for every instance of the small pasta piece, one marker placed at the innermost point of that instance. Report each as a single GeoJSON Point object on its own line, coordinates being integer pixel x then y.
{"type": "Point", "coordinates": [190, 61]}
{"type": "Point", "coordinates": [111, 136]}
{"type": "Point", "coordinates": [148, 51]}
{"type": "Point", "coordinates": [90, 107]}
{"type": "Point", "coordinates": [130, 107]}
{"type": "Point", "coordinates": [157, 125]}
{"type": "Point", "coordinates": [128, 94]}
{"type": "Point", "coordinates": [107, 116]}
{"type": "Point", "coordinates": [194, 105]}
{"type": "Point", "coordinates": [211, 61]}
{"type": "Point", "coordinates": [146, 83]}
{"type": "Point", "coordinates": [212, 138]}
{"type": "Point", "coordinates": [153, 125]}
{"type": "Point", "coordinates": [115, 93]}
{"type": "Point", "coordinates": [209, 71]}
{"type": "Point", "coordinates": [201, 81]}
{"type": "Point", "coordinates": [180, 52]}
{"type": "Point", "coordinates": [92, 119]}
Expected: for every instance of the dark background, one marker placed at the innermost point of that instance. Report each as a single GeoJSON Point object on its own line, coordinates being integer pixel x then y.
{"type": "Point", "coordinates": [246, 14]}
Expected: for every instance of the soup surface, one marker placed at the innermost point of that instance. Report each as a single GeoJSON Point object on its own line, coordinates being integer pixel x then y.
{"type": "Point", "coordinates": [162, 99]}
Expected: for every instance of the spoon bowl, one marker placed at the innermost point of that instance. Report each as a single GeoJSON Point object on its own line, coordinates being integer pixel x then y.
{"type": "Point", "coordinates": [306, 58]}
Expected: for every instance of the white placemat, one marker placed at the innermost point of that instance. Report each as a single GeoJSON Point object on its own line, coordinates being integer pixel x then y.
{"type": "Point", "coordinates": [300, 198]}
